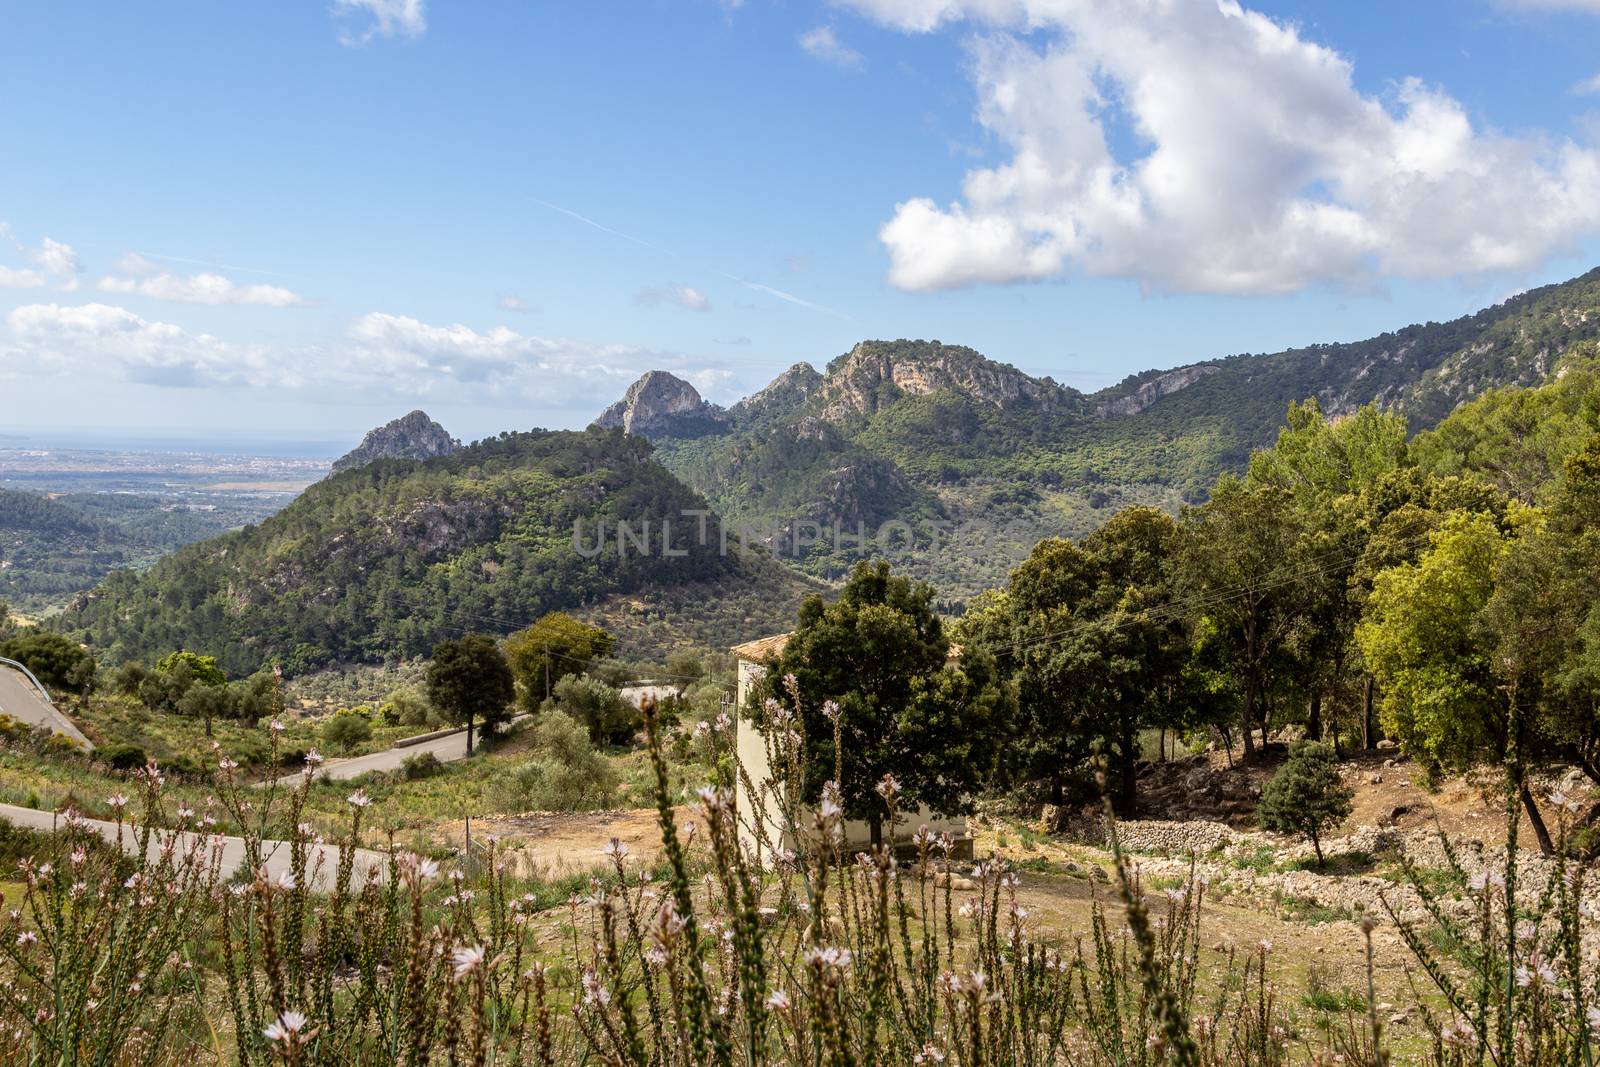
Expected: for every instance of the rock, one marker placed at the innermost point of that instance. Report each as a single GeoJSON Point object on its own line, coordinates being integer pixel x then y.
{"type": "Point", "coordinates": [1049, 817]}
{"type": "Point", "coordinates": [1156, 388]}
{"type": "Point", "coordinates": [413, 436]}
{"type": "Point", "coordinates": [954, 881]}
{"type": "Point", "coordinates": [1374, 779]}
{"type": "Point", "coordinates": [1388, 763]}
{"type": "Point", "coordinates": [1386, 745]}
{"type": "Point", "coordinates": [663, 405]}
{"type": "Point", "coordinates": [1399, 1018]}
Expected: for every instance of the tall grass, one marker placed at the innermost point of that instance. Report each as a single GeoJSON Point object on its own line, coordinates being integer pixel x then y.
{"type": "Point", "coordinates": [761, 949]}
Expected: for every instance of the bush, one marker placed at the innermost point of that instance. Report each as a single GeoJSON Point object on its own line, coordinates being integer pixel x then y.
{"type": "Point", "coordinates": [422, 765]}
{"type": "Point", "coordinates": [56, 661]}
{"type": "Point", "coordinates": [408, 706]}
{"type": "Point", "coordinates": [346, 730]}
{"type": "Point", "coordinates": [123, 757]}
{"type": "Point", "coordinates": [608, 717]}
{"type": "Point", "coordinates": [567, 774]}
{"type": "Point", "coordinates": [1306, 796]}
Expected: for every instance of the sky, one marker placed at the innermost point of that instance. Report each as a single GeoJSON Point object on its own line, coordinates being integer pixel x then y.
{"type": "Point", "coordinates": [302, 219]}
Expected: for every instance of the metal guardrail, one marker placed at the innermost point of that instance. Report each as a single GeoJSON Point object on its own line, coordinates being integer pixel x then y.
{"type": "Point", "coordinates": [43, 692]}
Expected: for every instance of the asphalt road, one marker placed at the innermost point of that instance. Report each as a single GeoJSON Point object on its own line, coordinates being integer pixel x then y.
{"type": "Point", "coordinates": [322, 860]}
{"type": "Point", "coordinates": [446, 749]}
{"type": "Point", "coordinates": [20, 700]}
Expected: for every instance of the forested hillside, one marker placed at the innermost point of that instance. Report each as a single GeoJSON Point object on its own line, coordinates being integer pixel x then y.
{"type": "Point", "coordinates": [981, 460]}
{"type": "Point", "coordinates": [388, 559]}
{"type": "Point", "coordinates": [53, 547]}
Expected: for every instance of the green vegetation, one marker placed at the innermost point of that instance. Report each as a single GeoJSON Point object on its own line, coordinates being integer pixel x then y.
{"type": "Point", "coordinates": [1306, 796]}
{"type": "Point", "coordinates": [389, 559]}
{"type": "Point", "coordinates": [553, 648]}
{"type": "Point", "coordinates": [471, 682]}
{"type": "Point", "coordinates": [883, 707]}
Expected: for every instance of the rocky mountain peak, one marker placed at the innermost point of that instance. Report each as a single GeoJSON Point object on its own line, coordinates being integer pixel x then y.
{"type": "Point", "coordinates": [412, 436]}
{"type": "Point", "coordinates": [663, 405]}
{"type": "Point", "coordinates": [874, 373]}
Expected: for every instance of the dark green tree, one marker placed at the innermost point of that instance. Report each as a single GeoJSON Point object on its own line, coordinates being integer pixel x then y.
{"type": "Point", "coordinates": [471, 681]}
{"type": "Point", "coordinates": [1091, 639]}
{"type": "Point", "coordinates": [57, 661]}
{"type": "Point", "coordinates": [1244, 567]}
{"type": "Point", "coordinates": [880, 655]}
{"type": "Point", "coordinates": [1306, 796]}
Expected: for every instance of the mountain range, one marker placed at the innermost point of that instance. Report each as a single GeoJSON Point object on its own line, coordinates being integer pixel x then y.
{"type": "Point", "coordinates": [972, 461]}
{"type": "Point", "coordinates": [895, 445]}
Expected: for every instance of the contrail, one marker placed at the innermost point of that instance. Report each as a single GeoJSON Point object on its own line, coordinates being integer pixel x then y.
{"type": "Point", "coordinates": [747, 283]}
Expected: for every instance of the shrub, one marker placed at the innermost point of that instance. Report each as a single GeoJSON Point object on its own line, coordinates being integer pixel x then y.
{"type": "Point", "coordinates": [346, 730]}
{"type": "Point", "coordinates": [1306, 796]}
{"type": "Point", "coordinates": [566, 774]}
{"type": "Point", "coordinates": [608, 717]}
{"type": "Point", "coordinates": [422, 765]}
{"type": "Point", "coordinates": [122, 756]}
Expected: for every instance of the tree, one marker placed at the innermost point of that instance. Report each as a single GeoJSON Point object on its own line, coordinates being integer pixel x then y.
{"type": "Point", "coordinates": [346, 730]}
{"type": "Point", "coordinates": [555, 646]}
{"type": "Point", "coordinates": [207, 702]}
{"type": "Point", "coordinates": [1090, 638]}
{"type": "Point", "coordinates": [880, 653]}
{"type": "Point", "coordinates": [56, 661]}
{"type": "Point", "coordinates": [203, 669]}
{"type": "Point", "coordinates": [1450, 695]}
{"type": "Point", "coordinates": [471, 681]}
{"type": "Point", "coordinates": [684, 665]}
{"type": "Point", "coordinates": [1242, 562]}
{"type": "Point", "coordinates": [603, 711]}
{"type": "Point", "coordinates": [1306, 796]}
{"type": "Point", "coordinates": [1326, 468]}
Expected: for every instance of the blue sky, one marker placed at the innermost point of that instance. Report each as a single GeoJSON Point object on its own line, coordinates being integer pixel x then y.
{"type": "Point", "coordinates": [305, 218]}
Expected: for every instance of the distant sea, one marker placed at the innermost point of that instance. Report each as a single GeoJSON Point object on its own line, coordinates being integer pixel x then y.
{"type": "Point", "coordinates": [100, 439]}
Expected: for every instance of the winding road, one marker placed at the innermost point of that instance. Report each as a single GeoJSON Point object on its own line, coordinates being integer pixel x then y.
{"type": "Point", "coordinates": [322, 860]}
{"type": "Point", "coordinates": [21, 700]}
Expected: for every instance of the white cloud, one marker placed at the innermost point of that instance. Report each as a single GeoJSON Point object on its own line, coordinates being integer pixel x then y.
{"type": "Point", "coordinates": [379, 356]}
{"type": "Point", "coordinates": [1259, 168]}
{"type": "Point", "coordinates": [822, 43]}
{"type": "Point", "coordinates": [13, 278]}
{"type": "Point", "coordinates": [1588, 86]}
{"type": "Point", "coordinates": [390, 18]}
{"type": "Point", "coordinates": [511, 302]}
{"type": "Point", "coordinates": [53, 259]}
{"type": "Point", "coordinates": [206, 287]}
{"type": "Point", "coordinates": [685, 296]}
{"type": "Point", "coordinates": [57, 258]}
{"type": "Point", "coordinates": [97, 338]}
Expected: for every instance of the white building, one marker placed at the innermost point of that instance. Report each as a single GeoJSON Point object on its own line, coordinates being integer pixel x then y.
{"type": "Point", "coordinates": [751, 747]}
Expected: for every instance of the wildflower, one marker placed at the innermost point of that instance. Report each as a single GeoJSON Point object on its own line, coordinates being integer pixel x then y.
{"type": "Point", "coordinates": [616, 849]}
{"type": "Point", "coordinates": [930, 1054]}
{"type": "Point", "coordinates": [286, 1028]}
{"type": "Point", "coordinates": [116, 801]}
{"type": "Point", "coordinates": [1537, 971]}
{"type": "Point", "coordinates": [830, 711]}
{"type": "Point", "coordinates": [1594, 1020]}
{"type": "Point", "coordinates": [278, 727]}
{"type": "Point", "coordinates": [26, 938]}
{"type": "Point", "coordinates": [284, 881]}
{"type": "Point", "coordinates": [466, 959]}
{"type": "Point", "coordinates": [359, 799]}
{"type": "Point", "coordinates": [831, 957]}
{"type": "Point", "coordinates": [888, 788]}
{"type": "Point", "coordinates": [1265, 946]}
{"type": "Point", "coordinates": [313, 757]}
{"type": "Point", "coordinates": [228, 765]}
{"type": "Point", "coordinates": [1458, 1034]}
